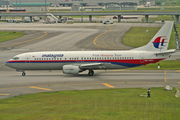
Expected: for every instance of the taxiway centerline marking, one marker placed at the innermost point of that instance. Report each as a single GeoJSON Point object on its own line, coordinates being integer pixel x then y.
{"type": "Point", "coordinates": [39, 88]}
{"type": "Point", "coordinates": [4, 94]}
{"type": "Point", "coordinates": [177, 70]}
{"type": "Point", "coordinates": [108, 85]}
{"type": "Point", "coordinates": [94, 41]}
{"type": "Point", "coordinates": [25, 41]}
{"type": "Point", "coordinates": [179, 82]}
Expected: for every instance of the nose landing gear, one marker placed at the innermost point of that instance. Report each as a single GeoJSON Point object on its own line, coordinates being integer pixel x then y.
{"type": "Point", "coordinates": [23, 73]}
{"type": "Point", "coordinates": [91, 73]}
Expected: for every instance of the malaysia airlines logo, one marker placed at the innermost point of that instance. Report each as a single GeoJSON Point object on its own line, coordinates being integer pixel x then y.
{"type": "Point", "coordinates": [159, 42]}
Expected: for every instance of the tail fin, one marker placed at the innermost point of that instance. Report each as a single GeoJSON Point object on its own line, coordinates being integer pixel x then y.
{"type": "Point", "coordinates": [160, 41]}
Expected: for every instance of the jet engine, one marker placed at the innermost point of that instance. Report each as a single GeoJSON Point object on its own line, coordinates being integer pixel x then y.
{"type": "Point", "coordinates": [71, 69]}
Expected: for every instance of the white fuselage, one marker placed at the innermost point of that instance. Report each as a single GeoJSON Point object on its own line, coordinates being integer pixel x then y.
{"type": "Point", "coordinates": [55, 60]}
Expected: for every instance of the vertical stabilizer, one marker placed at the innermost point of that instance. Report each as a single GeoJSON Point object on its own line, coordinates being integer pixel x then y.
{"type": "Point", "coordinates": [160, 41]}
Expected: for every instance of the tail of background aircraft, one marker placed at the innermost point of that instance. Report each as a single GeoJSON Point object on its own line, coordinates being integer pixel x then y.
{"type": "Point", "coordinates": [160, 42]}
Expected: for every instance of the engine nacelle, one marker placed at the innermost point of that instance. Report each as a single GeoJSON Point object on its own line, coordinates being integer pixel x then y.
{"type": "Point", "coordinates": [71, 69]}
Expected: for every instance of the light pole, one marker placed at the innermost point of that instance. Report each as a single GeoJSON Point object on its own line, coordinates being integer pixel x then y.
{"type": "Point", "coordinates": [81, 11]}
{"type": "Point", "coordinates": [20, 3]}
{"type": "Point", "coordinates": [55, 5]}
{"type": "Point", "coordinates": [45, 9]}
{"type": "Point", "coordinates": [45, 6]}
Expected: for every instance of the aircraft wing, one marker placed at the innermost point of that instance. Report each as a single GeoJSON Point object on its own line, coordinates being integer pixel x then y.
{"type": "Point", "coordinates": [93, 66]}
{"type": "Point", "coordinates": [166, 52]}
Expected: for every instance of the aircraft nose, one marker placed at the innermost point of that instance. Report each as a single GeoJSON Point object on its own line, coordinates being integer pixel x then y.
{"type": "Point", "coordinates": [7, 64]}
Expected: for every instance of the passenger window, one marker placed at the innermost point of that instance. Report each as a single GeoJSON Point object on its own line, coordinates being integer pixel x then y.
{"type": "Point", "coordinates": [84, 58]}
{"type": "Point", "coordinates": [57, 58]}
{"type": "Point", "coordinates": [65, 58]}
{"type": "Point", "coordinates": [34, 58]}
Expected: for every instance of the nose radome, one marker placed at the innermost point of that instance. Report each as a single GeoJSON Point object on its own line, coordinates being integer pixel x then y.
{"type": "Point", "coordinates": [7, 63]}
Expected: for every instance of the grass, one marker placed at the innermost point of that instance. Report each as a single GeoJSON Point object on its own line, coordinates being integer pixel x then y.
{"type": "Point", "coordinates": [137, 36]}
{"type": "Point", "coordinates": [166, 64]}
{"type": "Point", "coordinates": [160, 18]}
{"type": "Point", "coordinates": [12, 17]}
{"type": "Point", "coordinates": [9, 35]}
{"type": "Point", "coordinates": [108, 104]}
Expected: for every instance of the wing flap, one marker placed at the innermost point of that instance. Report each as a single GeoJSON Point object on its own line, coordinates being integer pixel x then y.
{"type": "Point", "coordinates": [93, 66]}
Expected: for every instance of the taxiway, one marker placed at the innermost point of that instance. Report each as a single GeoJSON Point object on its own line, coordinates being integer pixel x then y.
{"type": "Point", "coordinates": [73, 37]}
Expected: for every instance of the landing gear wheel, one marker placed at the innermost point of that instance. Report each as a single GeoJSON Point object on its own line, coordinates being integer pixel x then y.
{"type": "Point", "coordinates": [91, 73]}
{"type": "Point", "coordinates": [23, 74]}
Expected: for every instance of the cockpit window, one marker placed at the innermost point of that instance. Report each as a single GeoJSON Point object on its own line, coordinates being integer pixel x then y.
{"type": "Point", "coordinates": [16, 58]}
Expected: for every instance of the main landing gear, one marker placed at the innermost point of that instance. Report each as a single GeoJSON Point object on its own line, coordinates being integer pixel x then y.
{"type": "Point", "coordinates": [23, 73]}
{"type": "Point", "coordinates": [91, 72]}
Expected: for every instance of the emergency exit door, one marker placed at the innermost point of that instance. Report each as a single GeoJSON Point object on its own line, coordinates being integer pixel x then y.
{"type": "Point", "coordinates": [142, 58]}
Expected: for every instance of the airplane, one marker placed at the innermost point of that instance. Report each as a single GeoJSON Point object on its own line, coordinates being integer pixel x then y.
{"type": "Point", "coordinates": [74, 62]}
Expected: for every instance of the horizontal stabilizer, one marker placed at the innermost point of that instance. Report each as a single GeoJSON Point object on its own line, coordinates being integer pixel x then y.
{"type": "Point", "coordinates": [166, 52]}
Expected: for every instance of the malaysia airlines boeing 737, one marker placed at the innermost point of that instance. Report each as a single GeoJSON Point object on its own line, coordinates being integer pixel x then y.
{"type": "Point", "coordinates": [74, 62]}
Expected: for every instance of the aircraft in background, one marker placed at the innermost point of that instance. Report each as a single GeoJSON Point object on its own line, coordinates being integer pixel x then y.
{"type": "Point", "coordinates": [74, 62]}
